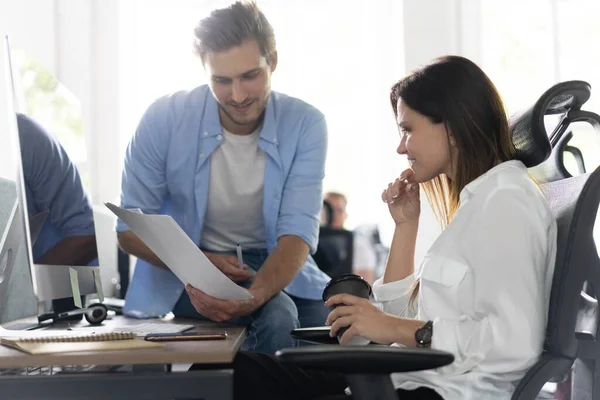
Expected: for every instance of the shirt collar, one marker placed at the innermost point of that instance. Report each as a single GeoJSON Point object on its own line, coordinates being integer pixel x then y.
{"type": "Point", "coordinates": [469, 190]}
{"type": "Point", "coordinates": [212, 124]}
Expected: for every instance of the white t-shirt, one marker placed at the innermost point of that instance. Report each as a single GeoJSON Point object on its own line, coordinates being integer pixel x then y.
{"type": "Point", "coordinates": [485, 284]}
{"type": "Point", "coordinates": [235, 195]}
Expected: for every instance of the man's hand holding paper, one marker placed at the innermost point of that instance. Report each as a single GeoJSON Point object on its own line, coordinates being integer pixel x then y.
{"type": "Point", "coordinates": [221, 310]}
{"type": "Point", "coordinates": [228, 265]}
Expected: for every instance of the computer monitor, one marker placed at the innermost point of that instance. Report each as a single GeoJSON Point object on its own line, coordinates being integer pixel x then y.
{"type": "Point", "coordinates": [47, 281]}
{"type": "Point", "coordinates": [46, 101]}
{"type": "Point", "coordinates": [17, 298]}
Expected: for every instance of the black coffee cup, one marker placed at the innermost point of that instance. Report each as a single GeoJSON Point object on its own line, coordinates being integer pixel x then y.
{"type": "Point", "coordinates": [347, 283]}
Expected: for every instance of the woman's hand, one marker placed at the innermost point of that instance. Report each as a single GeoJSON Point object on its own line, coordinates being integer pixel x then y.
{"type": "Point", "coordinates": [362, 319]}
{"type": "Point", "coordinates": [402, 198]}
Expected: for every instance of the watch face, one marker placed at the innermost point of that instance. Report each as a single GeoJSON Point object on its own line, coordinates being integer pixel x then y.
{"type": "Point", "coordinates": [426, 337]}
{"type": "Point", "coordinates": [424, 334]}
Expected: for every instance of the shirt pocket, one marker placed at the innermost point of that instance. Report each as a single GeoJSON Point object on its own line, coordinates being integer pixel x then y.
{"type": "Point", "coordinates": [443, 288]}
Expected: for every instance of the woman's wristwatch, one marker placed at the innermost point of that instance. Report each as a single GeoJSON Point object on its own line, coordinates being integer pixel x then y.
{"type": "Point", "coordinates": [424, 334]}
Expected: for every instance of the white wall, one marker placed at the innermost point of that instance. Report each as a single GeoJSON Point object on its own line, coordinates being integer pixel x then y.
{"type": "Point", "coordinates": [88, 64]}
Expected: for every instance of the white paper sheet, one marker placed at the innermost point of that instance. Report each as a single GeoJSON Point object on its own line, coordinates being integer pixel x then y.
{"type": "Point", "coordinates": [175, 248]}
{"type": "Point", "coordinates": [8, 333]}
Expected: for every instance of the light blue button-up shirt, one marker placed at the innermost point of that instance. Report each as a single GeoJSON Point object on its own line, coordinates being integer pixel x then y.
{"type": "Point", "coordinates": [167, 170]}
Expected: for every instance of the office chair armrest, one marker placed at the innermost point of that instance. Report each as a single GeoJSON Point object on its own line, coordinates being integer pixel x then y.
{"type": "Point", "coordinates": [317, 334]}
{"type": "Point", "coordinates": [372, 359]}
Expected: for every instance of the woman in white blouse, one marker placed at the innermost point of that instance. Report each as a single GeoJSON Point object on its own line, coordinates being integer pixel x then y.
{"type": "Point", "coordinates": [483, 289]}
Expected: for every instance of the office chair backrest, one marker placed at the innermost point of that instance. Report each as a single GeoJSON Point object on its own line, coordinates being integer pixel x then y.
{"type": "Point", "coordinates": [326, 214]}
{"type": "Point", "coordinates": [574, 203]}
{"type": "Point", "coordinates": [334, 254]}
{"type": "Point", "coordinates": [563, 101]}
{"type": "Point", "coordinates": [572, 314]}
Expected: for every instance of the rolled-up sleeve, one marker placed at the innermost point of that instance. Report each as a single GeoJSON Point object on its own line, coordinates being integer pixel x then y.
{"type": "Point", "coordinates": [508, 256]}
{"type": "Point", "coordinates": [143, 181]}
{"type": "Point", "coordinates": [303, 189]}
{"type": "Point", "coordinates": [394, 296]}
{"type": "Point", "coordinates": [54, 180]}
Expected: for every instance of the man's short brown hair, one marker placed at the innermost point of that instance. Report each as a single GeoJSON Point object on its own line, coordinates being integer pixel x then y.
{"type": "Point", "coordinates": [229, 27]}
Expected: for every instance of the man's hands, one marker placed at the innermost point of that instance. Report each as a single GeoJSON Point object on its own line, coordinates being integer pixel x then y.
{"type": "Point", "coordinates": [222, 310]}
{"type": "Point", "coordinates": [277, 271]}
{"type": "Point", "coordinates": [228, 264]}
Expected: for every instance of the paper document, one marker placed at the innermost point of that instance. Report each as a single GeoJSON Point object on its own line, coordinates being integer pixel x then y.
{"type": "Point", "coordinates": [175, 248]}
{"type": "Point", "coordinates": [9, 333]}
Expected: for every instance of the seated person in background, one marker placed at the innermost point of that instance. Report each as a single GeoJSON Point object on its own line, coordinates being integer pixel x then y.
{"type": "Point", "coordinates": [482, 291]}
{"type": "Point", "coordinates": [53, 184]}
{"type": "Point", "coordinates": [232, 162]}
{"type": "Point", "coordinates": [364, 259]}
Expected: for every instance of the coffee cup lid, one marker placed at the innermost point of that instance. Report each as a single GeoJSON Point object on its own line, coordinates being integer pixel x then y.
{"type": "Point", "coordinates": [346, 277]}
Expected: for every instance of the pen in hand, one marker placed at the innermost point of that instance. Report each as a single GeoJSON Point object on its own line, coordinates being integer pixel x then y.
{"type": "Point", "coordinates": [240, 258]}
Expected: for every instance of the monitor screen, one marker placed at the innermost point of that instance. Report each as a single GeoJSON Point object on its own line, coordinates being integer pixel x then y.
{"type": "Point", "coordinates": [57, 161]}
{"type": "Point", "coordinates": [54, 218]}
{"type": "Point", "coordinates": [55, 164]}
{"type": "Point", "coordinates": [17, 299]}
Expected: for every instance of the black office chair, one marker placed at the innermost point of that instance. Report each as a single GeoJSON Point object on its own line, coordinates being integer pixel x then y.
{"type": "Point", "coordinates": [573, 314]}
{"type": "Point", "coordinates": [585, 376]}
{"type": "Point", "coordinates": [334, 254]}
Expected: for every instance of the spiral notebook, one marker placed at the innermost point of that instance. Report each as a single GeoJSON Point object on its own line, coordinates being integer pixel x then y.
{"type": "Point", "coordinates": [68, 344]}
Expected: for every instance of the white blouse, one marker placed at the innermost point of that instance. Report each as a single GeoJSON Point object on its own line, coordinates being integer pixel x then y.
{"type": "Point", "coordinates": [485, 284]}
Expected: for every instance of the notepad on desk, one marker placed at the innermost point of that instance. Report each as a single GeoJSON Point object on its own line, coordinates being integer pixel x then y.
{"type": "Point", "coordinates": [78, 343]}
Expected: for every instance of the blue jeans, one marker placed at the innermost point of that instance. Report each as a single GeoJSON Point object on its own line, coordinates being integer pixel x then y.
{"type": "Point", "coordinates": [269, 327]}
{"type": "Point", "coordinates": [310, 312]}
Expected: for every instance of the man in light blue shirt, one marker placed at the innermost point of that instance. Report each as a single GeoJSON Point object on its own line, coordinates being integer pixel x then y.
{"type": "Point", "coordinates": [233, 163]}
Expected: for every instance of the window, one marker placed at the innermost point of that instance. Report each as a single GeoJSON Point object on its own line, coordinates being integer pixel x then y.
{"type": "Point", "coordinates": [517, 48]}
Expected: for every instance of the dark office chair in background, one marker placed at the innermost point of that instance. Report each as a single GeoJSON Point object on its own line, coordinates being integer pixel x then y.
{"type": "Point", "coordinates": [334, 254]}
{"type": "Point", "coordinates": [573, 312]}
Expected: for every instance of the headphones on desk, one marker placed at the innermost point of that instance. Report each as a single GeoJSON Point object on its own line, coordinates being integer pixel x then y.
{"type": "Point", "coordinates": [95, 314]}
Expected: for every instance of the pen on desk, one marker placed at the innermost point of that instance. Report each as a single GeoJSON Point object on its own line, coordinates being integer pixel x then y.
{"type": "Point", "coordinates": [238, 249]}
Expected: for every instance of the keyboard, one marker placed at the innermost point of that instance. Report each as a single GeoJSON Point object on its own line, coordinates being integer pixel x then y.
{"type": "Point", "coordinates": [152, 327]}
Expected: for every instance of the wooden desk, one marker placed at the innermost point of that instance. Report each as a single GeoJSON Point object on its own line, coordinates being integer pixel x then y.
{"type": "Point", "coordinates": [144, 382]}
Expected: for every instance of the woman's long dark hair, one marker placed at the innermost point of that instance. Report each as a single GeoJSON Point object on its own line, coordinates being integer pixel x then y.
{"type": "Point", "coordinates": [454, 91]}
